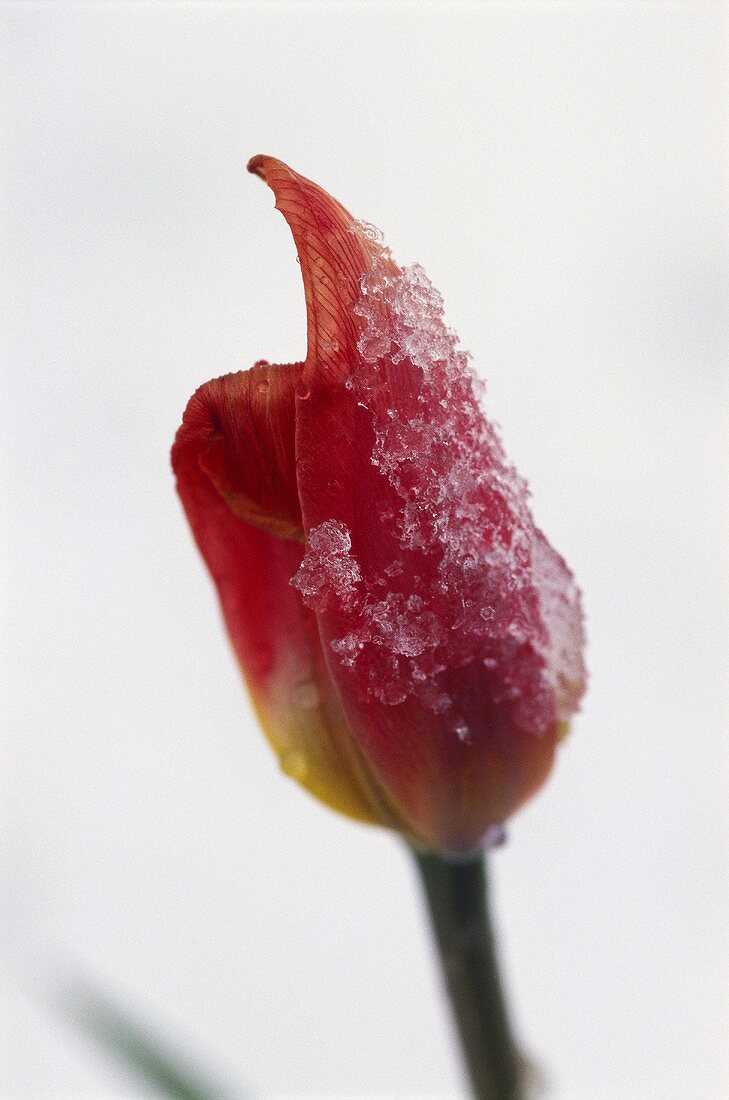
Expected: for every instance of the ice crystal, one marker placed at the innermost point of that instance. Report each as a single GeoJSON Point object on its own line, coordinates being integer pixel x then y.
{"type": "Point", "coordinates": [328, 572]}
{"type": "Point", "coordinates": [471, 581]}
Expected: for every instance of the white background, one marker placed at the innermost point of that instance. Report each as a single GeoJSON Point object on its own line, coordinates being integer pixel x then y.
{"type": "Point", "coordinates": [557, 168]}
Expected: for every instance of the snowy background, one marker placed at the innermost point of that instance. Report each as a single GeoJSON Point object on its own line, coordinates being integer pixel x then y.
{"type": "Point", "coordinates": [558, 170]}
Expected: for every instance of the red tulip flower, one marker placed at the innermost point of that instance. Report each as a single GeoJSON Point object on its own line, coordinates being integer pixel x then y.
{"type": "Point", "coordinates": [411, 641]}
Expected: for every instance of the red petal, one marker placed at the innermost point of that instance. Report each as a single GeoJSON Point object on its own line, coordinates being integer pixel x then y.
{"type": "Point", "coordinates": [334, 253]}
{"type": "Point", "coordinates": [227, 436]}
{"type": "Point", "coordinates": [243, 425]}
{"type": "Point", "coordinates": [406, 496]}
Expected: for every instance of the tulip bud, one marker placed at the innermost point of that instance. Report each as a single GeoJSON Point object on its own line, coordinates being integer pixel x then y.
{"type": "Point", "coordinates": [411, 641]}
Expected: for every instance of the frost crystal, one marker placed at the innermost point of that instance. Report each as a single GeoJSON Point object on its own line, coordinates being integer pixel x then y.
{"type": "Point", "coordinates": [328, 572]}
{"type": "Point", "coordinates": [471, 581]}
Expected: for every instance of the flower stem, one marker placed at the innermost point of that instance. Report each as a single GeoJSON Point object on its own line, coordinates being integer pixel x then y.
{"type": "Point", "coordinates": [456, 892]}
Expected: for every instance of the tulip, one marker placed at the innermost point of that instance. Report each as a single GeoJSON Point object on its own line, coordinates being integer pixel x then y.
{"type": "Point", "coordinates": [411, 641]}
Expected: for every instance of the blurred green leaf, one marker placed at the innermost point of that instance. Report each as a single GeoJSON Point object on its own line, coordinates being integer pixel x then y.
{"type": "Point", "coordinates": [167, 1072]}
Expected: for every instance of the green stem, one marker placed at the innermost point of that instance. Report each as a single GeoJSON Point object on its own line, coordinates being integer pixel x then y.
{"type": "Point", "coordinates": [456, 893]}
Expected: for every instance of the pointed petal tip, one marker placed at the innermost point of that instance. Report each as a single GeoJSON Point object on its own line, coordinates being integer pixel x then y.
{"type": "Point", "coordinates": [332, 261]}
{"type": "Point", "coordinates": [262, 165]}
{"type": "Point", "coordinates": [257, 165]}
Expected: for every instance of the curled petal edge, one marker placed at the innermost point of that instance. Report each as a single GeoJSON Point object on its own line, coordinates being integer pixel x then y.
{"type": "Point", "coordinates": [274, 636]}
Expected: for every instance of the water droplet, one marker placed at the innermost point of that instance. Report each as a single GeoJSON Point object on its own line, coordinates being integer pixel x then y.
{"type": "Point", "coordinates": [293, 764]}
{"type": "Point", "coordinates": [302, 391]}
{"type": "Point", "coordinates": [463, 733]}
{"type": "Point", "coordinates": [329, 345]}
{"type": "Point", "coordinates": [262, 386]}
{"type": "Point", "coordinates": [306, 695]}
{"type": "Point", "coordinates": [495, 836]}
{"type": "Point", "coordinates": [261, 363]}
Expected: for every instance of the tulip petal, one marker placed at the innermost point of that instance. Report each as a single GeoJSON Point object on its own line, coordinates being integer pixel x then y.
{"type": "Point", "coordinates": [430, 582]}
{"type": "Point", "coordinates": [334, 253]}
{"type": "Point", "coordinates": [238, 508]}
{"type": "Point", "coordinates": [244, 423]}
